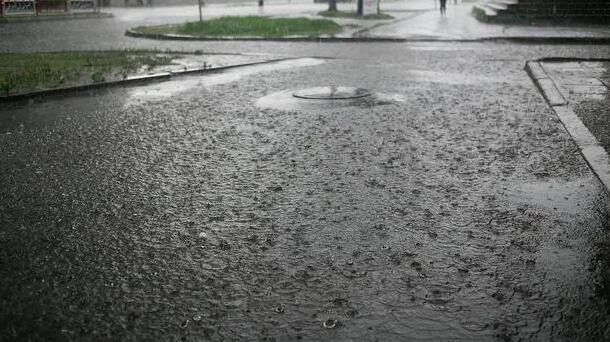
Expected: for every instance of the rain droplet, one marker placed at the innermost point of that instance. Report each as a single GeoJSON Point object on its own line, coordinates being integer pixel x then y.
{"type": "Point", "coordinates": [330, 323]}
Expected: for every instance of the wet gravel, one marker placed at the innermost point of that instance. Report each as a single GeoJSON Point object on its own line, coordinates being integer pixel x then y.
{"type": "Point", "coordinates": [464, 212]}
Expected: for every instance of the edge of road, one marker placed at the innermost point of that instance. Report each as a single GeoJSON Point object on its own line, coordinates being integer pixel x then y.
{"type": "Point", "coordinates": [368, 39]}
{"type": "Point", "coordinates": [363, 38]}
{"type": "Point", "coordinates": [132, 80]}
{"type": "Point", "coordinates": [594, 154]}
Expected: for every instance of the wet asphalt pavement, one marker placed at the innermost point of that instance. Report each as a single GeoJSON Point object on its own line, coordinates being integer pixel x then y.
{"type": "Point", "coordinates": [450, 205]}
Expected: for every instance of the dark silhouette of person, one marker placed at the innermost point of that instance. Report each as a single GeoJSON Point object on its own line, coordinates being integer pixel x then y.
{"type": "Point", "coordinates": [443, 7]}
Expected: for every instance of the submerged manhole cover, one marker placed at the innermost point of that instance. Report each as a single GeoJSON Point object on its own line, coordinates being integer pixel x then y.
{"type": "Point", "coordinates": [331, 93]}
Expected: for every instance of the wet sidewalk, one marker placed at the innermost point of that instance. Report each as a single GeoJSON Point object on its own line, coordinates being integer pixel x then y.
{"type": "Point", "coordinates": [459, 24]}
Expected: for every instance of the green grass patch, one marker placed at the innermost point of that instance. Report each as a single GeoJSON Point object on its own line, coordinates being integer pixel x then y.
{"type": "Point", "coordinates": [25, 72]}
{"type": "Point", "coordinates": [249, 26]}
{"type": "Point", "coordinates": [479, 14]}
{"type": "Point", "coordinates": [354, 15]}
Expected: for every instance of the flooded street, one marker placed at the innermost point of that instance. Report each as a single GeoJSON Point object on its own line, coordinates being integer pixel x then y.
{"type": "Point", "coordinates": [220, 207]}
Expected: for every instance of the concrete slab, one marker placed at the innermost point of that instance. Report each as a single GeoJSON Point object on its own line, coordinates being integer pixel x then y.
{"type": "Point", "coordinates": [535, 70]}
{"type": "Point", "coordinates": [551, 93]}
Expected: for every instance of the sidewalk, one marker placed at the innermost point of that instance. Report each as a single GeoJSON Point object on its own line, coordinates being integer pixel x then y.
{"type": "Point", "coordinates": [459, 24]}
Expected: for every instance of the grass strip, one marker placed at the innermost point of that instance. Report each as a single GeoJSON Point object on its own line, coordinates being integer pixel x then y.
{"type": "Point", "coordinates": [26, 72]}
{"type": "Point", "coordinates": [354, 15]}
{"type": "Point", "coordinates": [248, 26]}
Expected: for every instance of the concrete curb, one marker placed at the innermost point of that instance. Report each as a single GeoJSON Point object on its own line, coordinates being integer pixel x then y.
{"type": "Point", "coordinates": [594, 154]}
{"type": "Point", "coordinates": [571, 59]}
{"type": "Point", "coordinates": [366, 39]}
{"type": "Point", "coordinates": [545, 84]}
{"type": "Point", "coordinates": [130, 81]}
{"type": "Point", "coordinates": [158, 36]}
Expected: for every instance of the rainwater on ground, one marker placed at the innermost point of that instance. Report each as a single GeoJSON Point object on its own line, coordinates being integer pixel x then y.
{"type": "Point", "coordinates": [449, 205]}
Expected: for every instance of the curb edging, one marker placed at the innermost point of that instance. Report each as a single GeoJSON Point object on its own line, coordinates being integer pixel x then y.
{"type": "Point", "coordinates": [161, 36]}
{"type": "Point", "coordinates": [368, 39]}
{"type": "Point", "coordinates": [594, 154]}
{"type": "Point", "coordinates": [545, 84]}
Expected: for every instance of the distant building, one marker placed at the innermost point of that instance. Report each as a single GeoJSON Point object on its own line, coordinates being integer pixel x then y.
{"type": "Point", "coordinates": [9, 7]}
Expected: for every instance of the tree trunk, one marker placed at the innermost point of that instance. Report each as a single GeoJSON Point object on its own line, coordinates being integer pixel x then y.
{"type": "Point", "coordinates": [200, 14]}
{"type": "Point", "coordinates": [332, 5]}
